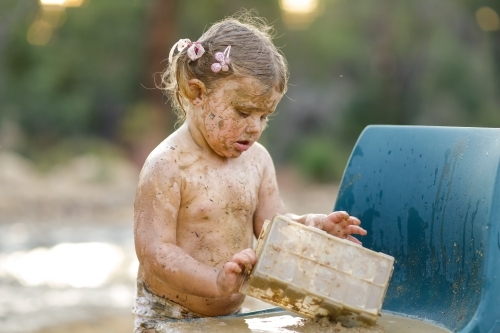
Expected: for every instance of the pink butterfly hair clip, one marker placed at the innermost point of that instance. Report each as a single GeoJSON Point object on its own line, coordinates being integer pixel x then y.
{"type": "Point", "coordinates": [223, 61]}
{"type": "Point", "coordinates": [195, 49]}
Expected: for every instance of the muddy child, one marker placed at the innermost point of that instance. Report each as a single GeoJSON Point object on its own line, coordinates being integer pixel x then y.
{"type": "Point", "coordinates": [206, 190]}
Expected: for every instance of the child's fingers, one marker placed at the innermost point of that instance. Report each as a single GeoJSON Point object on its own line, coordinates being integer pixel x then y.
{"type": "Point", "coordinates": [341, 217]}
{"type": "Point", "coordinates": [354, 229]}
{"type": "Point", "coordinates": [232, 268]}
{"type": "Point", "coordinates": [353, 220]}
{"type": "Point", "coordinates": [245, 259]}
{"type": "Point", "coordinates": [338, 216]}
{"type": "Point", "coordinates": [241, 261]}
{"type": "Point", "coordinates": [353, 239]}
{"type": "Point", "coordinates": [343, 225]}
{"type": "Point", "coordinates": [250, 255]}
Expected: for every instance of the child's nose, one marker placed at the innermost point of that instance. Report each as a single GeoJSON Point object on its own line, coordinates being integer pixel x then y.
{"type": "Point", "coordinates": [254, 125]}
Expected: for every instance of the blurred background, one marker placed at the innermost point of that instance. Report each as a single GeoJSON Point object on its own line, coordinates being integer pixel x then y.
{"type": "Point", "coordinates": [79, 113]}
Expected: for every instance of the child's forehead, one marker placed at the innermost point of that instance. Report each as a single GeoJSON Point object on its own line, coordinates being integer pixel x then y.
{"type": "Point", "coordinates": [244, 90]}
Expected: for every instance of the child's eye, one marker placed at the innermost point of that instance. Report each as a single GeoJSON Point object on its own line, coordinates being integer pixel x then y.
{"type": "Point", "coordinates": [243, 114]}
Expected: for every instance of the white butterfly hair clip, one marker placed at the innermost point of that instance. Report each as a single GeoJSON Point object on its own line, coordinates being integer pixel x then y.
{"type": "Point", "coordinates": [195, 49]}
{"type": "Point", "coordinates": [223, 61]}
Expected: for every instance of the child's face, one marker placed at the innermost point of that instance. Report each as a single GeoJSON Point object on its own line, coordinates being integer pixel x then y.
{"type": "Point", "coordinates": [235, 114]}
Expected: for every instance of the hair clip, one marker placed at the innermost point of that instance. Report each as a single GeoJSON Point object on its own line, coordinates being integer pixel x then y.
{"type": "Point", "coordinates": [194, 51]}
{"type": "Point", "coordinates": [223, 61]}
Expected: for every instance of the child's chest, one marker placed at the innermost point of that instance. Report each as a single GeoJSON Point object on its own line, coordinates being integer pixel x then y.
{"type": "Point", "coordinates": [229, 191]}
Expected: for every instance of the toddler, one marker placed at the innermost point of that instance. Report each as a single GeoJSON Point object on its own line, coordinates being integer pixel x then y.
{"type": "Point", "coordinates": [206, 190]}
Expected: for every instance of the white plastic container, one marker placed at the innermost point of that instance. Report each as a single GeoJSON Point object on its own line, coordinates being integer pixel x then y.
{"type": "Point", "coordinates": [307, 271]}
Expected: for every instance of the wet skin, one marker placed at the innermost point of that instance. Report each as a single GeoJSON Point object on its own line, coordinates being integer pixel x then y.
{"type": "Point", "coordinates": [204, 193]}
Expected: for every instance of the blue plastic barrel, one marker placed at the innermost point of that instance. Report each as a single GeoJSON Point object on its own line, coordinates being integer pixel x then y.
{"type": "Point", "coordinates": [430, 197]}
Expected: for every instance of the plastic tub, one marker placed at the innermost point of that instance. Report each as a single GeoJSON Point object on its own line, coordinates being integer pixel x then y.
{"type": "Point", "coordinates": [307, 271]}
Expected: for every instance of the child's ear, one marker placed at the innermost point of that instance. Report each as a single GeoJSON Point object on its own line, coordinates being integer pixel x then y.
{"type": "Point", "coordinates": [197, 91]}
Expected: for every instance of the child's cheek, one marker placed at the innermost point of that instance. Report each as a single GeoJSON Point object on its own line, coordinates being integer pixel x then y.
{"type": "Point", "coordinates": [220, 127]}
{"type": "Point", "coordinates": [211, 120]}
{"type": "Point", "coordinates": [221, 120]}
{"type": "Point", "coordinates": [211, 124]}
{"type": "Point", "coordinates": [227, 128]}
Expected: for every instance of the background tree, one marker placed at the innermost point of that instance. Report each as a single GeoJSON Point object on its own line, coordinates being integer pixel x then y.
{"type": "Point", "coordinates": [81, 79]}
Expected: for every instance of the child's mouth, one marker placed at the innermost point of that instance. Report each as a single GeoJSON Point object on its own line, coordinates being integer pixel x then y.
{"type": "Point", "coordinates": [242, 145]}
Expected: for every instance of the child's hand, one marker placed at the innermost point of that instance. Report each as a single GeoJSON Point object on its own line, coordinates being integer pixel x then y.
{"type": "Point", "coordinates": [234, 272]}
{"type": "Point", "coordinates": [338, 224]}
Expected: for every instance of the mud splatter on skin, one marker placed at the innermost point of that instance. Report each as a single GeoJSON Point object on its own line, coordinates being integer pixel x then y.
{"type": "Point", "coordinates": [208, 196]}
{"type": "Point", "coordinates": [241, 107]}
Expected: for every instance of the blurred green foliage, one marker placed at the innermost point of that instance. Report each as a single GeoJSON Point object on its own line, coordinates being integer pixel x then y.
{"type": "Point", "coordinates": [81, 81]}
{"type": "Point", "coordinates": [320, 159]}
{"type": "Point", "coordinates": [359, 63]}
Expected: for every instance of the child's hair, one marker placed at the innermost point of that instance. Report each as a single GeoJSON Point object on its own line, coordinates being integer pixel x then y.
{"type": "Point", "coordinates": [252, 54]}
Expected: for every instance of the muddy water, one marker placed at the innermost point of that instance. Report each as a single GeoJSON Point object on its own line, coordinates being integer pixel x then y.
{"type": "Point", "coordinates": [398, 324]}
{"type": "Point", "coordinates": [287, 322]}
{"type": "Point", "coordinates": [31, 301]}
{"type": "Point", "coordinates": [56, 277]}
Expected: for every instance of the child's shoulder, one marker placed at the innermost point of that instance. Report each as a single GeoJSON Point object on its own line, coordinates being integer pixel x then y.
{"type": "Point", "coordinates": [164, 158]}
{"type": "Point", "coordinates": [259, 150]}
{"type": "Point", "coordinates": [259, 154]}
{"type": "Point", "coordinates": [177, 152]}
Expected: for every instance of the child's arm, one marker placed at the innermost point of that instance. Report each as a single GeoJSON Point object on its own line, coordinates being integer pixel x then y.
{"type": "Point", "coordinates": [338, 224]}
{"type": "Point", "coordinates": [156, 212]}
{"type": "Point", "coordinates": [269, 199]}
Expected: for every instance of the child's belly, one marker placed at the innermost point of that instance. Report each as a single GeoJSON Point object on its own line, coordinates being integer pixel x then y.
{"type": "Point", "coordinates": [215, 240]}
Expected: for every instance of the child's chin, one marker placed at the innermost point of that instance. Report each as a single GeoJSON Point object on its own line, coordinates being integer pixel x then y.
{"type": "Point", "coordinates": [236, 153]}
{"type": "Point", "coordinates": [230, 154]}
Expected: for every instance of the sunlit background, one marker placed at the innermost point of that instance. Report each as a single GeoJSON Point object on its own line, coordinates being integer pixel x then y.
{"type": "Point", "coordinates": [79, 114]}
